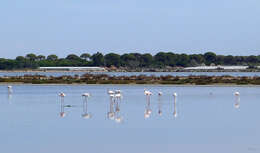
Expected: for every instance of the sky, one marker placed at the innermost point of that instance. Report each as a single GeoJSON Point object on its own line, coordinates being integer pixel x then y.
{"type": "Point", "coordinates": [63, 27]}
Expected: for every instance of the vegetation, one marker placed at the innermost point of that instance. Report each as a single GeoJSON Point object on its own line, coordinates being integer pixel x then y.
{"type": "Point", "coordinates": [131, 60]}
{"type": "Point", "coordinates": [141, 79]}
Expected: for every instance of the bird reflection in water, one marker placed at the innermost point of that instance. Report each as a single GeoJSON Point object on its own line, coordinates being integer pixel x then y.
{"type": "Point", "coordinates": [85, 114]}
{"type": "Point", "coordinates": [160, 103]}
{"type": "Point", "coordinates": [237, 99]}
{"type": "Point", "coordinates": [148, 110]}
{"type": "Point", "coordinates": [62, 106]}
{"type": "Point", "coordinates": [175, 105]}
{"type": "Point", "coordinates": [118, 99]}
{"type": "Point", "coordinates": [111, 113]}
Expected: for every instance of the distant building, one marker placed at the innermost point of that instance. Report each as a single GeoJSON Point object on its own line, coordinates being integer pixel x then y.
{"type": "Point", "coordinates": [72, 69]}
{"type": "Point", "coordinates": [217, 68]}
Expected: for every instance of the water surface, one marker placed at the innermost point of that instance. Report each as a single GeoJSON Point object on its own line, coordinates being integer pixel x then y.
{"type": "Point", "coordinates": [207, 120]}
{"type": "Point", "coordinates": [133, 73]}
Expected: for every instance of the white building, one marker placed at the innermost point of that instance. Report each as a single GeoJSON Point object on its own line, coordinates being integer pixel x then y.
{"type": "Point", "coordinates": [217, 67]}
{"type": "Point", "coordinates": [72, 69]}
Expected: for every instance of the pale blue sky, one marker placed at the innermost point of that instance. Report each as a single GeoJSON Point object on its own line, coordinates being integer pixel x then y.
{"type": "Point", "coordinates": [77, 26]}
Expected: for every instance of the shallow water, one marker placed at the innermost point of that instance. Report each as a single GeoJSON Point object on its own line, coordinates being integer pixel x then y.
{"type": "Point", "coordinates": [206, 121]}
{"type": "Point", "coordinates": [133, 73]}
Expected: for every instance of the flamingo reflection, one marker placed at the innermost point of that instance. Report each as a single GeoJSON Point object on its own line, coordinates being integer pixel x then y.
{"type": "Point", "coordinates": [237, 100]}
{"type": "Point", "coordinates": [159, 103]}
{"type": "Point", "coordinates": [118, 98]}
{"type": "Point", "coordinates": [175, 106]}
{"type": "Point", "coordinates": [148, 109]}
{"type": "Point", "coordinates": [114, 106]}
{"type": "Point", "coordinates": [111, 113]}
{"type": "Point", "coordinates": [85, 114]}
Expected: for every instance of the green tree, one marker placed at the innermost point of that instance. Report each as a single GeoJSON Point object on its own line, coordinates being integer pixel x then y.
{"type": "Point", "coordinates": [229, 60]}
{"type": "Point", "coordinates": [112, 59]}
{"type": "Point", "coordinates": [73, 57]}
{"type": "Point", "coordinates": [210, 57]}
{"type": "Point", "coordinates": [127, 60]}
{"type": "Point", "coordinates": [197, 58]}
{"type": "Point", "coordinates": [146, 60]}
{"type": "Point", "coordinates": [98, 59]}
{"type": "Point", "coordinates": [252, 60]}
{"type": "Point", "coordinates": [40, 57]}
{"type": "Point", "coordinates": [52, 57]}
{"type": "Point", "coordinates": [31, 57]}
{"type": "Point", "coordinates": [160, 59]}
{"type": "Point", "coordinates": [183, 60]}
{"type": "Point", "coordinates": [85, 56]}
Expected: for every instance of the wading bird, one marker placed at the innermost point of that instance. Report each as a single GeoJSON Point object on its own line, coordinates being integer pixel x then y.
{"type": "Point", "coordinates": [148, 110]}
{"type": "Point", "coordinates": [85, 114]}
{"type": "Point", "coordinates": [10, 89]}
{"type": "Point", "coordinates": [174, 103]}
{"type": "Point", "coordinates": [237, 101]}
{"type": "Point", "coordinates": [62, 113]}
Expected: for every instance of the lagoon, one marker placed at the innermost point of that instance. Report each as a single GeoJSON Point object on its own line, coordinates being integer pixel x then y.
{"type": "Point", "coordinates": [72, 73]}
{"type": "Point", "coordinates": [207, 120]}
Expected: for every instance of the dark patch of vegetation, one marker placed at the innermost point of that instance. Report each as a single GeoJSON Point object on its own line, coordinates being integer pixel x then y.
{"type": "Point", "coordinates": [129, 61]}
{"type": "Point", "coordinates": [141, 79]}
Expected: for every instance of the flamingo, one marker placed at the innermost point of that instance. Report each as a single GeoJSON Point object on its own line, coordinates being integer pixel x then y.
{"type": "Point", "coordinates": [118, 97]}
{"type": "Point", "coordinates": [148, 110]}
{"type": "Point", "coordinates": [86, 115]}
{"type": "Point", "coordinates": [10, 89]}
{"type": "Point", "coordinates": [62, 113]}
{"type": "Point", "coordinates": [237, 102]}
{"type": "Point", "coordinates": [175, 100]}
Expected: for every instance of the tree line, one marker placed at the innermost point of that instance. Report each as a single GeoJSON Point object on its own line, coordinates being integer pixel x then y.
{"type": "Point", "coordinates": [130, 60]}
